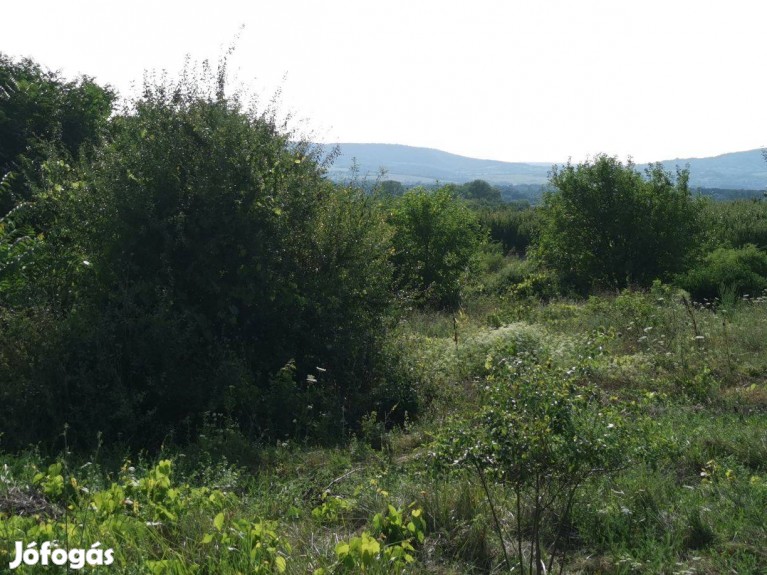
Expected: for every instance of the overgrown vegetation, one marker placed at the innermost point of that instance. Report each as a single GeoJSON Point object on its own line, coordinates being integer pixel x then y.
{"type": "Point", "coordinates": [199, 255]}
{"type": "Point", "coordinates": [213, 360]}
{"type": "Point", "coordinates": [608, 227]}
{"type": "Point", "coordinates": [435, 239]}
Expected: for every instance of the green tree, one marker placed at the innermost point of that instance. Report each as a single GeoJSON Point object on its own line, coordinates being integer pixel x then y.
{"type": "Point", "coordinates": [391, 188]}
{"type": "Point", "coordinates": [435, 237]}
{"type": "Point", "coordinates": [514, 226]}
{"type": "Point", "coordinates": [41, 112]}
{"type": "Point", "coordinates": [480, 191]}
{"type": "Point", "coordinates": [606, 225]}
{"type": "Point", "coordinates": [47, 126]}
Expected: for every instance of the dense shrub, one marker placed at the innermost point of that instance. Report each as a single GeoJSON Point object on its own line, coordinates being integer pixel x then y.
{"type": "Point", "coordinates": [736, 224]}
{"type": "Point", "coordinates": [40, 111]}
{"type": "Point", "coordinates": [607, 226]}
{"type": "Point", "coordinates": [217, 270]}
{"type": "Point", "coordinates": [512, 226]}
{"type": "Point", "coordinates": [742, 270]}
{"type": "Point", "coordinates": [436, 236]}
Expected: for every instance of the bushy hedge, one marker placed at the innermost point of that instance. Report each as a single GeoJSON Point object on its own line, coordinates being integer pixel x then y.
{"type": "Point", "coordinates": [726, 270]}
{"type": "Point", "coordinates": [198, 262]}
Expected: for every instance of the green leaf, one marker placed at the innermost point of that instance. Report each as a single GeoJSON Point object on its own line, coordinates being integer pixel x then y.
{"type": "Point", "coordinates": [342, 550]}
{"type": "Point", "coordinates": [370, 547]}
{"type": "Point", "coordinates": [218, 522]}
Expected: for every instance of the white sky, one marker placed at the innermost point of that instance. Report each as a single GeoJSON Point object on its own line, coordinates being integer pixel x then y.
{"type": "Point", "coordinates": [508, 80]}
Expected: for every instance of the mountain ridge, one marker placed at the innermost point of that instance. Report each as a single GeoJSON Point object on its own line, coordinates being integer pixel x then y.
{"type": "Point", "coordinates": [419, 165]}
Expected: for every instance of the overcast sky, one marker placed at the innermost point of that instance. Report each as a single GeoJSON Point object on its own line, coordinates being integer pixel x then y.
{"type": "Point", "coordinates": [508, 80]}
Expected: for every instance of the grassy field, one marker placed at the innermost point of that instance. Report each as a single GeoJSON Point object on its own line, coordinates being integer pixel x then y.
{"type": "Point", "coordinates": [685, 384]}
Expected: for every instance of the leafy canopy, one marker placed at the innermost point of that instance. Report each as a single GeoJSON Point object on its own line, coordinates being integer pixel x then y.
{"type": "Point", "coordinates": [607, 226]}
{"type": "Point", "coordinates": [435, 238]}
{"type": "Point", "coordinates": [40, 111]}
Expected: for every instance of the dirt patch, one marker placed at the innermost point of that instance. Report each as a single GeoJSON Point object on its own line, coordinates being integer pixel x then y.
{"type": "Point", "coordinates": [27, 502]}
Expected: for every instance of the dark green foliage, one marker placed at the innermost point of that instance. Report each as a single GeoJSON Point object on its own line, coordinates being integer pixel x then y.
{"type": "Point", "coordinates": [26, 339]}
{"type": "Point", "coordinates": [199, 263]}
{"type": "Point", "coordinates": [40, 111]}
{"type": "Point", "coordinates": [742, 270]}
{"type": "Point", "coordinates": [521, 193]}
{"type": "Point", "coordinates": [481, 192]}
{"type": "Point", "coordinates": [607, 226]}
{"type": "Point", "coordinates": [435, 237]}
{"type": "Point", "coordinates": [47, 124]}
{"type": "Point", "coordinates": [391, 188]}
{"type": "Point", "coordinates": [514, 227]}
{"type": "Point", "coordinates": [735, 224]}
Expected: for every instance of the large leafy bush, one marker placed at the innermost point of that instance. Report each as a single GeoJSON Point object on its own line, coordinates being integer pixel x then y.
{"type": "Point", "coordinates": [436, 236]}
{"type": "Point", "coordinates": [736, 224]}
{"type": "Point", "coordinates": [607, 226]}
{"type": "Point", "coordinates": [217, 271]}
{"type": "Point", "coordinates": [40, 111]}
{"type": "Point", "coordinates": [741, 271]}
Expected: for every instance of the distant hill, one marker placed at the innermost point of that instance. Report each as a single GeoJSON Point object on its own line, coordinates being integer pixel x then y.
{"type": "Point", "coordinates": [736, 170]}
{"type": "Point", "coordinates": [411, 165]}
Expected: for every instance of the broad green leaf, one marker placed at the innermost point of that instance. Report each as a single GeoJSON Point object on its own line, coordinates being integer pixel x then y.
{"type": "Point", "coordinates": [218, 522]}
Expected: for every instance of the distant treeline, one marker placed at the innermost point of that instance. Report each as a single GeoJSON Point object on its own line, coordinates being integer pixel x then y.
{"type": "Point", "coordinates": [480, 190]}
{"type": "Point", "coordinates": [726, 195]}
